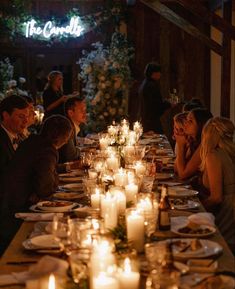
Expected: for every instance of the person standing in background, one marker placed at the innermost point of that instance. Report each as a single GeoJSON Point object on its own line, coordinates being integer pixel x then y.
{"type": "Point", "coordinates": [151, 105]}
{"type": "Point", "coordinates": [53, 98]}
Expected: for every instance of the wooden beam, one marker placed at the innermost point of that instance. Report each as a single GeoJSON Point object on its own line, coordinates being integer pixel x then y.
{"type": "Point", "coordinates": [208, 17]}
{"type": "Point", "coordinates": [226, 64]}
{"type": "Point", "coordinates": [171, 16]}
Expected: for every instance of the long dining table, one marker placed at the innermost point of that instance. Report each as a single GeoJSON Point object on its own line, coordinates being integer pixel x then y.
{"type": "Point", "coordinates": [16, 258]}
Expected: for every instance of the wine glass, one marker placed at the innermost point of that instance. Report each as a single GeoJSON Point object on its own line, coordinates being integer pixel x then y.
{"type": "Point", "coordinates": [86, 160]}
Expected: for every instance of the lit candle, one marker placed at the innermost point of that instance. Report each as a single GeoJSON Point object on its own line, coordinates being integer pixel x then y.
{"type": "Point", "coordinates": [112, 162]}
{"type": "Point", "coordinates": [95, 199]}
{"type": "Point", "coordinates": [120, 178]}
{"type": "Point", "coordinates": [121, 199]}
{"type": "Point", "coordinates": [135, 229]}
{"type": "Point", "coordinates": [104, 142]}
{"type": "Point", "coordinates": [51, 283]}
{"type": "Point", "coordinates": [127, 278]}
{"type": "Point", "coordinates": [145, 205]}
{"type": "Point", "coordinates": [131, 192]}
{"type": "Point", "coordinates": [105, 282]}
{"type": "Point", "coordinates": [109, 211]}
{"type": "Point", "coordinates": [140, 168]}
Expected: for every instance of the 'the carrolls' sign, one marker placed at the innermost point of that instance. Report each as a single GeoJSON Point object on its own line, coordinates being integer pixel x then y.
{"type": "Point", "coordinates": [49, 29]}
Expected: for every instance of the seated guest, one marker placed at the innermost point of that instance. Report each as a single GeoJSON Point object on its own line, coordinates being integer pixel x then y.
{"type": "Point", "coordinates": [31, 118]}
{"type": "Point", "coordinates": [188, 159]}
{"type": "Point", "coordinates": [75, 111]}
{"type": "Point", "coordinates": [218, 168]}
{"type": "Point", "coordinates": [179, 121]}
{"type": "Point", "coordinates": [191, 104]}
{"type": "Point", "coordinates": [31, 174]}
{"type": "Point", "coordinates": [14, 118]}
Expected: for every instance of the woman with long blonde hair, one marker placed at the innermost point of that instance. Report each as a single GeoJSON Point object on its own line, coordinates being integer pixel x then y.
{"type": "Point", "coordinates": [53, 98]}
{"type": "Point", "coordinates": [218, 168]}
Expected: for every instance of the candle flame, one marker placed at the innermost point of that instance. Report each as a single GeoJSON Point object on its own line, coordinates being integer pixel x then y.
{"type": "Point", "coordinates": [127, 265]}
{"type": "Point", "coordinates": [51, 283]}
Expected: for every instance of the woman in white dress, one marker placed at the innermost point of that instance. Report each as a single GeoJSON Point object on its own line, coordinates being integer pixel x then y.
{"type": "Point", "coordinates": [218, 168]}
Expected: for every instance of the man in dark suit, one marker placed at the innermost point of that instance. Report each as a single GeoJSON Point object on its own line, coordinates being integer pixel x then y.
{"type": "Point", "coordinates": [31, 174]}
{"type": "Point", "coordinates": [14, 119]}
{"type": "Point", "coordinates": [150, 103]}
{"type": "Point", "coordinates": [75, 111]}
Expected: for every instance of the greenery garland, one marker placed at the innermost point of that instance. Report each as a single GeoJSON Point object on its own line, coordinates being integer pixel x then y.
{"type": "Point", "coordinates": [14, 16]}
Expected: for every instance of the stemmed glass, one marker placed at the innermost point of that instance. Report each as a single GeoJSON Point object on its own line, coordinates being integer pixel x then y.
{"type": "Point", "coordinates": [86, 160]}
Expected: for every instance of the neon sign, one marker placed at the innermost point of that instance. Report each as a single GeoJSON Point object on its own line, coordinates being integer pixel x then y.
{"type": "Point", "coordinates": [73, 29]}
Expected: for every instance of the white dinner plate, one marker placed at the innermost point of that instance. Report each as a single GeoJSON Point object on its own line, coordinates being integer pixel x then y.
{"type": "Point", "coordinates": [68, 195]}
{"type": "Point", "coordinates": [44, 241]}
{"type": "Point", "coordinates": [163, 176]}
{"type": "Point", "coordinates": [178, 192]}
{"type": "Point", "coordinates": [35, 208]}
{"type": "Point", "coordinates": [78, 187]}
{"type": "Point", "coordinates": [191, 280]}
{"type": "Point", "coordinates": [209, 230]}
{"type": "Point", "coordinates": [208, 248]}
{"type": "Point", "coordinates": [187, 205]}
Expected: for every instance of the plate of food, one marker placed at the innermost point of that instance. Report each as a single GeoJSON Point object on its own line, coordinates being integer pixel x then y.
{"type": "Point", "coordinates": [194, 230]}
{"type": "Point", "coordinates": [180, 192]}
{"type": "Point", "coordinates": [183, 204]}
{"type": "Point", "coordinates": [53, 206]}
{"type": "Point", "coordinates": [68, 195]}
{"type": "Point", "coordinates": [208, 281]}
{"type": "Point", "coordinates": [194, 248]}
{"type": "Point", "coordinates": [77, 187]}
{"type": "Point", "coordinates": [163, 176]}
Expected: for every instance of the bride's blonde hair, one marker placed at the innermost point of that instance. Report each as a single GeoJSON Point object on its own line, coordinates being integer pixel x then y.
{"type": "Point", "coordinates": [218, 132]}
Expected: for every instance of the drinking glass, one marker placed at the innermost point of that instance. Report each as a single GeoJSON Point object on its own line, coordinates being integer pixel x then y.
{"type": "Point", "coordinates": [79, 264]}
{"type": "Point", "coordinates": [62, 230]}
{"type": "Point", "coordinates": [155, 254]}
{"type": "Point", "coordinates": [86, 160]}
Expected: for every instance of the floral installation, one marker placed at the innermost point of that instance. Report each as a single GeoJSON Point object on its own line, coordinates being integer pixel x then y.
{"type": "Point", "coordinates": [6, 74]}
{"type": "Point", "coordinates": [106, 74]}
{"type": "Point", "coordinates": [9, 86]}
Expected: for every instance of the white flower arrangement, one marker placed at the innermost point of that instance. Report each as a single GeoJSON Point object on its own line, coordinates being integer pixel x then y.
{"type": "Point", "coordinates": [106, 74]}
{"type": "Point", "coordinates": [8, 86]}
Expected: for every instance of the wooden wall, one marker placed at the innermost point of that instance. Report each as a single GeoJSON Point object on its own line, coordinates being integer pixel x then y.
{"type": "Point", "coordinates": [185, 60]}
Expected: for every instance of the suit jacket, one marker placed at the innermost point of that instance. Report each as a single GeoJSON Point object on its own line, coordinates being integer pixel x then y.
{"type": "Point", "coordinates": [69, 152]}
{"type": "Point", "coordinates": [6, 149]}
{"type": "Point", "coordinates": [151, 105]}
{"type": "Point", "coordinates": [31, 172]}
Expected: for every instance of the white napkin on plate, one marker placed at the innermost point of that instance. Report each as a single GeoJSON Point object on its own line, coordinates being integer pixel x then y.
{"type": "Point", "coordinates": [202, 219]}
{"type": "Point", "coordinates": [45, 266]}
{"type": "Point", "coordinates": [36, 216]}
{"type": "Point", "coordinates": [198, 218]}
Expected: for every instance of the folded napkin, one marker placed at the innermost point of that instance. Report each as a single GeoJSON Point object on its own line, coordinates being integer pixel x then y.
{"type": "Point", "coordinates": [45, 266]}
{"type": "Point", "coordinates": [36, 216]}
{"type": "Point", "coordinates": [198, 218]}
{"type": "Point", "coordinates": [202, 219]}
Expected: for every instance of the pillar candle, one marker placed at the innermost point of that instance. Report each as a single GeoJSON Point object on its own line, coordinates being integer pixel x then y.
{"type": "Point", "coordinates": [131, 192]}
{"type": "Point", "coordinates": [135, 229]}
{"type": "Point", "coordinates": [128, 279]}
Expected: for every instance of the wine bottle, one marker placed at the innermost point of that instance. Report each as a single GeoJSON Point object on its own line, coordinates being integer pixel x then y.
{"type": "Point", "coordinates": [164, 222]}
